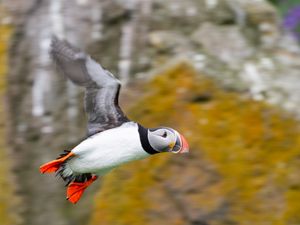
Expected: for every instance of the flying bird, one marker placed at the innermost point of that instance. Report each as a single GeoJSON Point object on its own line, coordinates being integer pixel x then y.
{"type": "Point", "coordinates": [112, 139]}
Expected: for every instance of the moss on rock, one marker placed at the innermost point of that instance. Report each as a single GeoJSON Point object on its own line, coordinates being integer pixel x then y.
{"type": "Point", "coordinates": [243, 167]}
{"type": "Point", "coordinates": [7, 199]}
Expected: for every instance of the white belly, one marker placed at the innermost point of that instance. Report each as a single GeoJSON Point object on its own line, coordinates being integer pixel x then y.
{"type": "Point", "coordinates": [107, 150]}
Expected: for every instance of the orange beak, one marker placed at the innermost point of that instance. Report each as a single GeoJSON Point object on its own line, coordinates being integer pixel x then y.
{"type": "Point", "coordinates": [184, 145]}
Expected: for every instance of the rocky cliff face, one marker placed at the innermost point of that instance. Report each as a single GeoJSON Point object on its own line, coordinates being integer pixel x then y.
{"type": "Point", "coordinates": [239, 44]}
{"type": "Point", "coordinates": [8, 201]}
{"type": "Point", "coordinates": [242, 168]}
{"type": "Point", "coordinates": [46, 114]}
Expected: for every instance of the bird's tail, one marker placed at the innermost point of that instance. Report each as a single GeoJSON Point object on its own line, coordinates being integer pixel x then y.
{"type": "Point", "coordinates": [77, 183]}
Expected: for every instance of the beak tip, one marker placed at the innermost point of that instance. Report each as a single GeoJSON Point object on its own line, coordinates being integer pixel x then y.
{"type": "Point", "coordinates": [185, 145]}
{"type": "Point", "coordinates": [184, 151]}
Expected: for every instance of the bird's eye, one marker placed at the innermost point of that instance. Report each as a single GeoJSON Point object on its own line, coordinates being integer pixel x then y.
{"type": "Point", "coordinates": [164, 134]}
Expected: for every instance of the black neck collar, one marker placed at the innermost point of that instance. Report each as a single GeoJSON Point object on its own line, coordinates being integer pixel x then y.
{"type": "Point", "coordinates": [144, 140]}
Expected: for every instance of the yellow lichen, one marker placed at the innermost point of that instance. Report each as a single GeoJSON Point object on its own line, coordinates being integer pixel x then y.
{"type": "Point", "coordinates": [250, 152]}
{"type": "Point", "coordinates": [7, 198]}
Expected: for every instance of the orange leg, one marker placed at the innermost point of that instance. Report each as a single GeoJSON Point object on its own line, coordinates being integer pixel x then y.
{"type": "Point", "coordinates": [54, 165]}
{"type": "Point", "coordinates": [76, 189]}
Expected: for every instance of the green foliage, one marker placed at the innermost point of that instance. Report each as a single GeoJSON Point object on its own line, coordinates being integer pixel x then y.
{"type": "Point", "coordinates": [285, 5]}
{"type": "Point", "coordinates": [252, 147]}
{"type": "Point", "coordinates": [290, 10]}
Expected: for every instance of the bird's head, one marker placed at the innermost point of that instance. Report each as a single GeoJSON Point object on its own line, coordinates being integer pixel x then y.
{"type": "Point", "coordinates": [165, 139]}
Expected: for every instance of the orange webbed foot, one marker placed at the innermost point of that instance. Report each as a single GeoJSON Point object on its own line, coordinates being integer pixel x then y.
{"type": "Point", "coordinates": [54, 165]}
{"type": "Point", "coordinates": [76, 189]}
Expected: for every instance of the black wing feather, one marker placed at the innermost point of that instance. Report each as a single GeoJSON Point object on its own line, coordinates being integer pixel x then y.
{"type": "Point", "coordinates": [102, 88]}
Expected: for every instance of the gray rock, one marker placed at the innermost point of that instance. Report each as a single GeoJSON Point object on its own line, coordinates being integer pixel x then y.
{"type": "Point", "coordinates": [225, 43]}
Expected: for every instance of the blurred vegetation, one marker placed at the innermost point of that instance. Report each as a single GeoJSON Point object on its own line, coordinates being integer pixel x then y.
{"type": "Point", "coordinates": [252, 146]}
{"type": "Point", "coordinates": [7, 198]}
{"type": "Point", "coordinates": [285, 5]}
{"type": "Point", "coordinates": [290, 10]}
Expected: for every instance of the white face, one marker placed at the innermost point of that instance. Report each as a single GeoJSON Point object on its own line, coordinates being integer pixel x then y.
{"type": "Point", "coordinates": [164, 140]}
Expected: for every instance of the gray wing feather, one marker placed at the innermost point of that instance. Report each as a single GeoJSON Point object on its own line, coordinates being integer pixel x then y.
{"type": "Point", "coordinates": [102, 88]}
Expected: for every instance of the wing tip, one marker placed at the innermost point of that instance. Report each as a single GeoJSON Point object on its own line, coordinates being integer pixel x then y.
{"type": "Point", "coordinates": [54, 47]}
{"type": "Point", "coordinates": [55, 42]}
{"type": "Point", "coordinates": [61, 47]}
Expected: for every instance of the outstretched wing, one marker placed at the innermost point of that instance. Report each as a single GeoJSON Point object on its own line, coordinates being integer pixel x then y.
{"type": "Point", "coordinates": [102, 88]}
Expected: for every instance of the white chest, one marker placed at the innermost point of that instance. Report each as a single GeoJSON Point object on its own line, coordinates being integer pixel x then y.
{"type": "Point", "coordinates": [106, 150]}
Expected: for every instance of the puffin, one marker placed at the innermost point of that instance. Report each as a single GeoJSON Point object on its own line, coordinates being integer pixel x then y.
{"type": "Point", "coordinates": [112, 139]}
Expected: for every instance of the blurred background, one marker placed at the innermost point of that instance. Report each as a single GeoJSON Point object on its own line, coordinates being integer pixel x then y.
{"type": "Point", "coordinates": [226, 73]}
